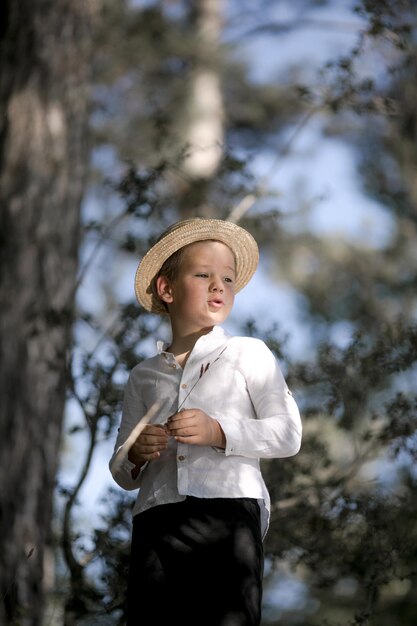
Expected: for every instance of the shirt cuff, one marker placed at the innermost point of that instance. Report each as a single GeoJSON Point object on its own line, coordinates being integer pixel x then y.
{"type": "Point", "coordinates": [136, 470]}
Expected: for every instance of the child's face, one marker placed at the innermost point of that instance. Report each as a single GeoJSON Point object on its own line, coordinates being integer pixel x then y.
{"type": "Point", "coordinates": [203, 292]}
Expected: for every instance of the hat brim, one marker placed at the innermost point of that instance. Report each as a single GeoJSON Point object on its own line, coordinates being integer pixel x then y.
{"type": "Point", "coordinates": [180, 234]}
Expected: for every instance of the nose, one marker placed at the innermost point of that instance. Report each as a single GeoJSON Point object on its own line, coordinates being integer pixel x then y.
{"type": "Point", "coordinates": [216, 285]}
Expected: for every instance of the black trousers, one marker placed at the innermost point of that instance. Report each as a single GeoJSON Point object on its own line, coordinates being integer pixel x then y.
{"type": "Point", "coordinates": [197, 563]}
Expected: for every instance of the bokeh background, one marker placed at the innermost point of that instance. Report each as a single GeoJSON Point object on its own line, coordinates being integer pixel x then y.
{"type": "Point", "coordinates": [296, 119]}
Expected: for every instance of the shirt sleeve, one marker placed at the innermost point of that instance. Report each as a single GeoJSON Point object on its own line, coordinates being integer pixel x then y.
{"type": "Point", "coordinates": [133, 410]}
{"type": "Point", "coordinates": [277, 429]}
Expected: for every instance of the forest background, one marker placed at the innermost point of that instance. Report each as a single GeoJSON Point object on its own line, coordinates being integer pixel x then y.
{"type": "Point", "coordinates": [297, 120]}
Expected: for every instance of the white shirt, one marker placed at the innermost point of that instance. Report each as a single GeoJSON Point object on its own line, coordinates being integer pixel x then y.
{"type": "Point", "coordinates": [241, 385]}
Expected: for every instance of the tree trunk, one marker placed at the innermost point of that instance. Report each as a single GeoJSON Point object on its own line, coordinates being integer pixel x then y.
{"type": "Point", "coordinates": [204, 119]}
{"type": "Point", "coordinates": [44, 51]}
{"type": "Point", "coordinates": [201, 124]}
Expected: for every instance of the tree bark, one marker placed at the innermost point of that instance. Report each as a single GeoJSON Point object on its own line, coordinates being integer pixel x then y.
{"type": "Point", "coordinates": [44, 51]}
{"type": "Point", "coordinates": [204, 115]}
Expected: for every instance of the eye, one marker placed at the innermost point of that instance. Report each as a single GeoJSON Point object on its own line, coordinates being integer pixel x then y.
{"type": "Point", "coordinates": [202, 275]}
{"type": "Point", "coordinates": [228, 280]}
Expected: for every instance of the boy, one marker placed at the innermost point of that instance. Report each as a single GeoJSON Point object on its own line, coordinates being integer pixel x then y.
{"type": "Point", "coordinates": [197, 418]}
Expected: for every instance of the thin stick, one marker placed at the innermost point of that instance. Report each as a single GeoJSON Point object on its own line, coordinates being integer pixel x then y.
{"type": "Point", "coordinates": [203, 370]}
{"type": "Point", "coordinates": [122, 453]}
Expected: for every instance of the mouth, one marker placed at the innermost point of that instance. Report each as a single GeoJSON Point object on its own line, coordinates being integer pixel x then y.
{"type": "Point", "coordinates": [216, 303]}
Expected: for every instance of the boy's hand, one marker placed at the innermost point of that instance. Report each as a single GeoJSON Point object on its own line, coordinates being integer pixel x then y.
{"type": "Point", "coordinates": [149, 444]}
{"type": "Point", "coordinates": [195, 427]}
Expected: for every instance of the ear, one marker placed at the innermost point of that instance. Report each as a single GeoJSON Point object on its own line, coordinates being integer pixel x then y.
{"type": "Point", "coordinates": [164, 289]}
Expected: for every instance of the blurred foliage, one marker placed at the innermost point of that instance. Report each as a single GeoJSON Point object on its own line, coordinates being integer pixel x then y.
{"type": "Point", "coordinates": [343, 509]}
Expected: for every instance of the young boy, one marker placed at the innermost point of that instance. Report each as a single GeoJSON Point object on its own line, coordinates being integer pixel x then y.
{"type": "Point", "coordinates": [197, 418]}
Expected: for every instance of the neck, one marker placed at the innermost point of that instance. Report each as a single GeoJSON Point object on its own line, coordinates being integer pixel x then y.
{"type": "Point", "coordinates": [183, 343]}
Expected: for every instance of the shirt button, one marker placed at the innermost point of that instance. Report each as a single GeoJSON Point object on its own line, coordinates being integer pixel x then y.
{"type": "Point", "coordinates": [184, 386]}
{"type": "Point", "coordinates": [181, 458]}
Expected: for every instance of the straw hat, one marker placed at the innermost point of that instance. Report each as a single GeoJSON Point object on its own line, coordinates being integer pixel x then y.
{"type": "Point", "coordinates": [182, 233]}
